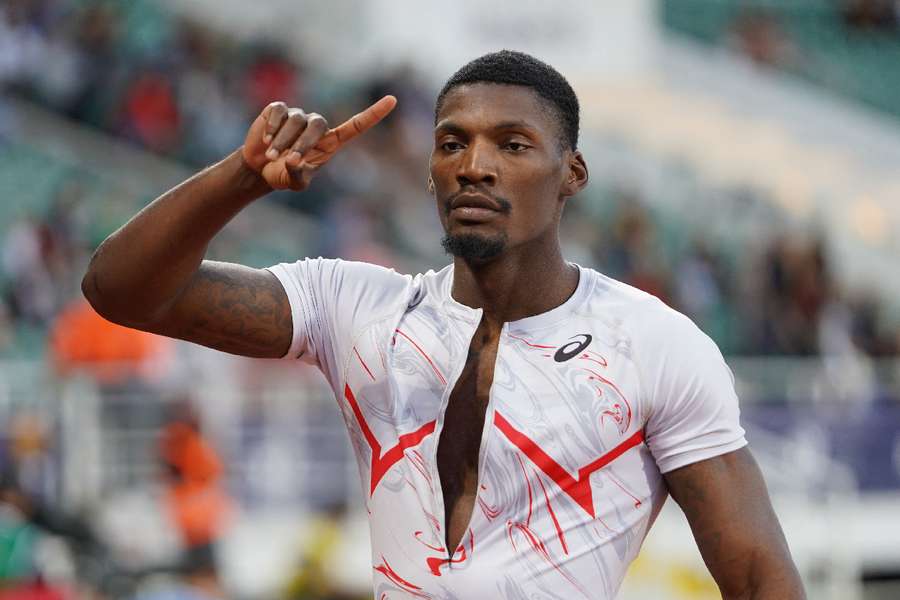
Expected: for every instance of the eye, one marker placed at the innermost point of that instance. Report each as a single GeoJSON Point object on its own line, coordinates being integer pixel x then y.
{"type": "Point", "coordinates": [451, 146]}
{"type": "Point", "coordinates": [516, 146]}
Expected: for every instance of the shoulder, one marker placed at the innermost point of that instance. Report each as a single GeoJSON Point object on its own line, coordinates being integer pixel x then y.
{"type": "Point", "coordinates": [340, 275]}
{"type": "Point", "coordinates": [351, 293]}
{"type": "Point", "coordinates": [627, 304]}
{"type": "Point", "coordinates": [652, 328]}
{"type": "Point", "coordinates": [358, 271]}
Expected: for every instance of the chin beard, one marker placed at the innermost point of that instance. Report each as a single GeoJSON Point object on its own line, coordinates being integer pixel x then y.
{"type": "Point", "coordinates": [474, 247]}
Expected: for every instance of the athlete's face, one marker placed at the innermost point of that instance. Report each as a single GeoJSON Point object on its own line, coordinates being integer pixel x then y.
{"type": "Point", "coordinates": [499, 170]}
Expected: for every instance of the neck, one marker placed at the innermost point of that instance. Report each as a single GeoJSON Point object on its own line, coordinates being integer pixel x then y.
{"type": "Point", "coordinates": [518, 284]}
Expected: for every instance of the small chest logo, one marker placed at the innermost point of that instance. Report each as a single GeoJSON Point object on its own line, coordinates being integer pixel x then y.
{"type": "Point", "coordinates": [573, 348]}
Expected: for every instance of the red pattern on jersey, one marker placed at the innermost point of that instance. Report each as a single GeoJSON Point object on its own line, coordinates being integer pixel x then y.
{"type": "Point", "coordinates": [385, 569]}
{"type": "Point", "coordinates": [363, 363]}
{"type": "Point", "coordinates": [579, 489]}
{"type": "Point", "coordinates": [381, 463]}
{"type": "Point", "coordinates": [434, 368]}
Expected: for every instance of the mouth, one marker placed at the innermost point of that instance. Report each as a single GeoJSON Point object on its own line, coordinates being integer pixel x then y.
{"type": "Point", "coordinates": [474, 214]}
{"type": "Point", "coordinates": [476, 208]}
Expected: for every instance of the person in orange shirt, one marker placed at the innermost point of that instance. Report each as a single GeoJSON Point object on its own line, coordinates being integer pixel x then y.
{"type": "Point", "coordinates": [113, 354]}
{"type": "Point", "coordinates": [196, 500]}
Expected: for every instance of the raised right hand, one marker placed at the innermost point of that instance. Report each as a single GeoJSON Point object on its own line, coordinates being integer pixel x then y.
{"type": "Point", "coordinates": [287, 145]}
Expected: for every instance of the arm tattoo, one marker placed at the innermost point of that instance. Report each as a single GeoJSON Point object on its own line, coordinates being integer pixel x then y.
{"type": "Point", "coordinates": [235, 309]}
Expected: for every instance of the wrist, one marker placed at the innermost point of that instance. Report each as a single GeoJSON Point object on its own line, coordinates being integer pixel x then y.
{"type": "Point", "coordinates": [247, 178]}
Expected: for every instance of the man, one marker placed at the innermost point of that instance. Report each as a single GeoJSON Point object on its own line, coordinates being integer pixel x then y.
{"type": "Point", "coordinates": [517, 419]}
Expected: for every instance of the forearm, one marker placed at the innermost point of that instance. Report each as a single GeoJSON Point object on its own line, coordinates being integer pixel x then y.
{"type": "Point", "coordinates": [783, 590]}
{"type": "Point", "coordinates": [762, 578]}
{"type": "Point", "coordinates": [142, 267]}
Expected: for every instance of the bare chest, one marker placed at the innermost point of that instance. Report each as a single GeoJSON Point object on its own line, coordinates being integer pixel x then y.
{"type": "Point", "coordinates": [460, 438]}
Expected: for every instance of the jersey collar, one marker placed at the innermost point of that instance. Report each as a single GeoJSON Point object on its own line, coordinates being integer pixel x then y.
{"type": "Point", "coordinates": [539, 321]}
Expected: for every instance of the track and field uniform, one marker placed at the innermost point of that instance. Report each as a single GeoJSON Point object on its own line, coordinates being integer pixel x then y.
{"type": "Point", "coordinates": [591, 402]}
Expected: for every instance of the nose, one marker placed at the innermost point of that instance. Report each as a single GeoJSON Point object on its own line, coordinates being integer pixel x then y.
{"type": "Point", "coordinates": [476, 165]}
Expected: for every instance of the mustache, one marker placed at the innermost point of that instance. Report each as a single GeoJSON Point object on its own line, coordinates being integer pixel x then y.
{"type": "Point", "coordinates": [503, 205]}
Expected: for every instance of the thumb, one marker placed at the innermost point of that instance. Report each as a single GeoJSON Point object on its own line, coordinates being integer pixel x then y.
{"type": "Point", "coordinates": [301, 176]}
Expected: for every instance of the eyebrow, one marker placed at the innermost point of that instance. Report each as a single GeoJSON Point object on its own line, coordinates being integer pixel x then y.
{"type": "Point", "coordinates": [449, 127]}
{"type": "Point", "coordinates": [514, 125]}
{"type": "Point", "coordinates": [453, 127]}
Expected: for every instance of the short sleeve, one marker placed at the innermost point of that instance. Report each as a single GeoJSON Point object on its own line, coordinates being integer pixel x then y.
{"type": "Point", "coordinates": [692, 407]}
{"type": "Point", "coordinates": [330, 301]}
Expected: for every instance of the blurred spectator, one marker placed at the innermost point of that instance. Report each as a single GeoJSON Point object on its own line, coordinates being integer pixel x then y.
{"type": "Point", "coordinates": [40, 256]}
{"type": "Point", "coordinates": [28, 461]}
{"type": "Point", "coordinates": [795, 288]}
{"type": "Point", "coordinates": [871, 14]}
{"type": "Point", "coordinates": [39, 590]}
{"type": "Point", "coordinates": [25, 248]}
{"type": "Point", "coordinates": [195, 496]}
{"type": "Point", "coordinates": [21, 42]}
{"type": "Point", "coordinates": [848, 47]}
{"type": "Point", "coordinates": [702, 291]}
{"type": "Point", "coordinates": [759, 35]}
{"type": "Point", "coordinates": [870, 330]}
{"type": "Point", "coordinates": [30, 506]}
{"type": "Point", "coordinates": [90, 48]}
{"type": "Point", "coordinates": [809, 290]}
{"type": "Point", "coordinates": [7, 333]}
{"type": "Point", "coordinates": [17, 535]}
{"type": "Point", "coordinates": [82, 339]}
{"type": "Point", "coordinates": [211, 116]}
{"type": "Point", "coordinates": [269, 76]}
{"type": "Point", "coordinates": [314, 578]}
{"type": "Point", "coordinates": [197, 579]}
{"type": "Point", "coordinates": [151, 112]}
{"type": "Point", "coordinates": [631, 251]}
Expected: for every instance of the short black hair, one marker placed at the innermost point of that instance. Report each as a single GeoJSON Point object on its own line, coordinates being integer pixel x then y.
{"type": "Point", "coordinates": [517, 68]}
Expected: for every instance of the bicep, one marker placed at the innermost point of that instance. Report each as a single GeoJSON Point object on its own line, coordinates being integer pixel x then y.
{"type": "Point", "coordinates": [232, 308]}
{"type": "Point", "coordinates": [727, 505]}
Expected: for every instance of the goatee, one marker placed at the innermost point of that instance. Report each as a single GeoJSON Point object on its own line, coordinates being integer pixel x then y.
{"type": "Point", "coordinates": [474, 247]}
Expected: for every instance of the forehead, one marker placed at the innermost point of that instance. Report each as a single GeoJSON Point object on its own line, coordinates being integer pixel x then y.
{"type": "Point", "coordinates": [485, 104]}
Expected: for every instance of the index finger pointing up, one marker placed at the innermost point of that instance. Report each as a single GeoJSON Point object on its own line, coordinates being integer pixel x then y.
{"type": "Point", "coordinates": [364, 121]}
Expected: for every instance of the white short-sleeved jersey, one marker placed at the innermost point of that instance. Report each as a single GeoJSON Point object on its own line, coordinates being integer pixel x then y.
{"type": "Point", "coordinates": [591, 402]}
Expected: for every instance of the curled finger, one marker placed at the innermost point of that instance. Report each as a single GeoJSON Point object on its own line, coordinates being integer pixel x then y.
{"type": "Point", "coordinates": [274, 113]}
{"type": "Point", "coordinates": [293, 126]}
{"type": "Point", "coordinates": [316, 128]}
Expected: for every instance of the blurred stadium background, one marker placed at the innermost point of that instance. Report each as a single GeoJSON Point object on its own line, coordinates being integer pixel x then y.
{"type": "Point", "coordinates": [744, 159]}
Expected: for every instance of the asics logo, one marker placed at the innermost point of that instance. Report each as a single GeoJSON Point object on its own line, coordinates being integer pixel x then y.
{"type": "Point", "coordinates": [573, 348]}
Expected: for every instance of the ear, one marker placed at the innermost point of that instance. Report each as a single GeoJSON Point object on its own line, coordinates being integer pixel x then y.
{"type": "Point", "coordinates": [576, 176]}
{"type": "Point", "coordinates": [430, 185]}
